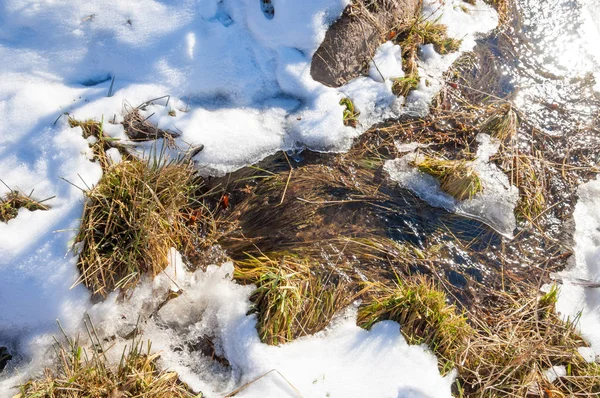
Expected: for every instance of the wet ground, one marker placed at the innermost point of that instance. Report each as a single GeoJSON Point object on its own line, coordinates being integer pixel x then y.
{"type": "Point", "coordinates": [537, 61]}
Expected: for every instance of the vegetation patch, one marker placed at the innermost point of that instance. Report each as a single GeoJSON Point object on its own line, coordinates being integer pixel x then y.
{"type": "Point", "coordinates": [86, 373]}
{"type": "Point", "coordinates": [410, 36]}
{"type": "Point", "coordinates": [99, 141]}
{"type": "Point", "coordinates": [15, 200]}
{"type": "Point", "coordinates": [402, 86]}
{"type": "Point", "coordinates": [423, 313]}
{"type": "Point", "coordinates": [503, 123]}
{"type": "Point", "coordinates": [515, 346]}
{"type": "Point", "coordinates": [457, 177]}
{"type": "Point", "coordinates": [132, 217]}
{"type": "Point", "coordinates": [350, 113]}
{"type": "Point", "coordinates": [291, 299]}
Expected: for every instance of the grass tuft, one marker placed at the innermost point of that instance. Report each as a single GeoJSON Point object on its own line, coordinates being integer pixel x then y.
{"type": "Point", "coordinates": [423, 313]}
{"type": "Point", "coordinates": [290, 300]}
{"type": "Point", "coordinates": [350, 113]}
{"type": "Point", "coordinates": [83, 372]}
{"type": "Point", "coordinates": [101, 142]}
{"type": "Point", "coordinates": [404, 85]}
{"type": "Point", "coordinates": [502, 124]}
{"type": "Point", "coordinates": [457, 177]}
{"type": "Point", "coordinates": [132, 217]}
{"type": "Point", "coordinates": [15, 200]}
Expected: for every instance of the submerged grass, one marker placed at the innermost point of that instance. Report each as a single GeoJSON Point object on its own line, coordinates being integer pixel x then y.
{"type": "Point", "coordinates": [290, 299]}
{"type": "Point", "coordinates": [15, 200]}
{"type": "Point", "coordinates": [85, 372]}
{"type": "Point", "coordinates": [132, 217]}
{"type": "Point", "coordinates": [457, 177]}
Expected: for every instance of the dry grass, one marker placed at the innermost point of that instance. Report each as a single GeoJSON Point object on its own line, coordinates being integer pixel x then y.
{"type": "Point", "coordinates": [411, 36]}
{"type": "Point", "coordinates": [132, 217]}
{"type": "Point", "coordinates": [423, 314]}
{"type": "Point", "coordinates": [290, 299]}
{"type": "Point", "coordinates": [501, 353]}
{"type": "Point", "coordinates": [457, 177]}
{"type": "Point", "coordinates": [101, 142]}
{"type": "Point", "coordinates": [516, 343]}
{"type": "Point", "coordinates": [15, 200]}
{"type": "Point", "coordinates": [83, 372]}
{"type": "Point", "coordinates": [503, 123]}
{"type": "Point", "coordinates": [404, 85]}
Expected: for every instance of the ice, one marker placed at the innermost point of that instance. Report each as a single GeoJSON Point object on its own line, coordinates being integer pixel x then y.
{"type": "Point", "coordinates": [576, 299]}
{"type": "Point", "coordinates": [493, 206]}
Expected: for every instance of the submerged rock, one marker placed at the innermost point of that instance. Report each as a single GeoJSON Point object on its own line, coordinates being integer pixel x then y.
{"type": "Point", "coordinates": [352, 40]}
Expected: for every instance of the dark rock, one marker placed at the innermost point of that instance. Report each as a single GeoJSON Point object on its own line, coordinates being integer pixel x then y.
{"type": "Point", "coordinates": [352, 40]}
{"type": "Point", "coordinates": [4, 357]}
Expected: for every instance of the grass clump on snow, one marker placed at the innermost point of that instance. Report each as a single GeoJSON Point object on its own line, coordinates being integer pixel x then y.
{"type": "Point", "coordinates": [402, 86]}
{"type": "Point", "coordinates": [423, 314]}
{"type": "Point", "coordinates": [86, 373]}
{"type": "Point", "coordinates": [290, 300]}
{"type": "Point", "coordinates": [411, 36]}
{"type": "Point", "coordinates": [132, 217]}
{"type": "Point", "coordinates": [14, 200]}
{"type": "Point", "coordinates": [100, 142]}
{"type": "Point", "coordinates": [457, 177]}
{"type": "Point", "coordinates": [350, 113]}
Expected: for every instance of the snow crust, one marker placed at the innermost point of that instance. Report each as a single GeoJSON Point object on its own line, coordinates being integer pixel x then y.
{"type": "Point", "coordinates": [494, 205]}
{"type": "Point", "coordinates": [575, 298]}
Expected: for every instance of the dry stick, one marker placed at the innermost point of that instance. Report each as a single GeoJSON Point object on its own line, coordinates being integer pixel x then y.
{"type": "Point", "coordinates": [288, 179]}
{"type": "Point", "coordinates": [234, 392]}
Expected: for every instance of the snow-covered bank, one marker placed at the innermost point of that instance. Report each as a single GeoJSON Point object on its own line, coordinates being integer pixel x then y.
{"type": "Point", "coordinates": [575, 298]}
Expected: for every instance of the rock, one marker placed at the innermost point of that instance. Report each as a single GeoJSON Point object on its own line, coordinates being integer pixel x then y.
{"type": "Point", "coordinates": [4, 358]}
{"type": "Point", "coordinates": [352, 40]}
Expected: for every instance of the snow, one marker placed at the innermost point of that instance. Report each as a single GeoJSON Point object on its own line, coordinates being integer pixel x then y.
{"type": "Point", "coordinates": [239, 82]}
{"type": "Point", "coordinates": [576, 299]}
{"type": "Point", "coordinates": [386, 63]}
{"type": "Point", "coordinates": [342, 360]}
{"type": "Point", "coordinates": [494, 205]}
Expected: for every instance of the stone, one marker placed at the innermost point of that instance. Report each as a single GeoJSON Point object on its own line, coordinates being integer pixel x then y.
{"type": "Point", "coordinates": [352, 40]}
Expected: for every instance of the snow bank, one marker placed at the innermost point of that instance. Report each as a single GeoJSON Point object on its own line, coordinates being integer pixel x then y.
{"type": "Point", "coordinates": [494, 205]}
{"type": "Point", "coordinates": [343, 360]}
{"type": "Point", "coordinates": [575, 298]}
